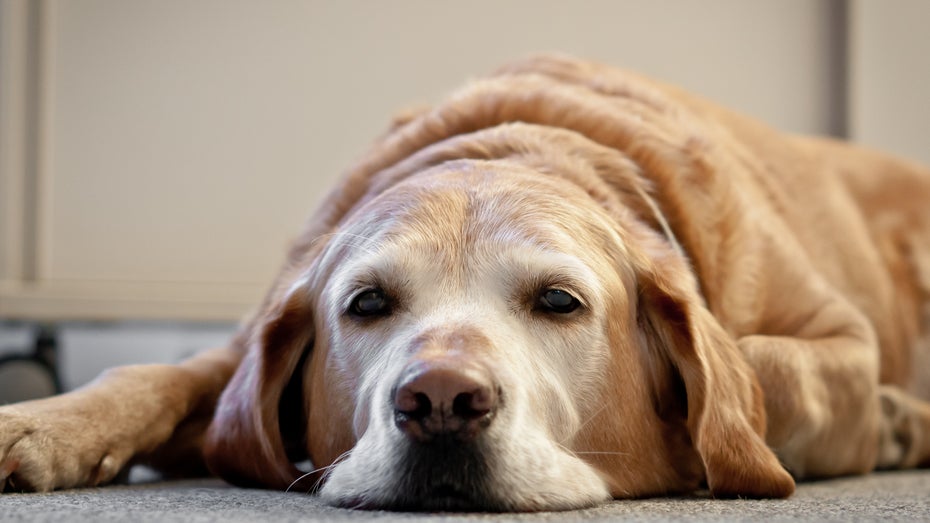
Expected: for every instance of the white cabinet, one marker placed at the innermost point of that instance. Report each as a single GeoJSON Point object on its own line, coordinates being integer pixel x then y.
{"type": "Point", "coordinates": [157, 155]}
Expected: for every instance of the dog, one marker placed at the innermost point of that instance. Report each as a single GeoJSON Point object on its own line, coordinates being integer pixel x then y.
{"type": "Point", "coordinates": [566, 283]}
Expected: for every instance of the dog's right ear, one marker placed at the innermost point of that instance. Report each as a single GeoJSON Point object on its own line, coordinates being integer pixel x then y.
{"type": "Point", "coordinates": [725, 410]}
{"type": "Point", "coordinates": [244, 444]}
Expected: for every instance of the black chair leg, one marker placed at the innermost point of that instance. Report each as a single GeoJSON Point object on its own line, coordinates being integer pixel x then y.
{"type": "Point", "coordinates": [34, 374]}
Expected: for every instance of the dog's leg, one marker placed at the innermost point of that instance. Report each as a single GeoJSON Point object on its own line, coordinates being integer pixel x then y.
{"type": "Point", "coordinates": [821, 401]}
{"type": "Point", "coordinates": [905, 430]}
{"type": "Point", "coordinates": [86, 437]}
{"type": "Point", "coordinates": [905, 422]}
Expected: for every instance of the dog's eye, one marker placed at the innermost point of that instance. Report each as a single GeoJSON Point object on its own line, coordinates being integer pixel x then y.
{"type": "Point", "coordinates": [559, 301]}
{"type": "Point", "coordinates": [372, 302]}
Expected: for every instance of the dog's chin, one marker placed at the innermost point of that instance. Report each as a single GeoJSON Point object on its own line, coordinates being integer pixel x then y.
{"type": "Point", "coordinates": [451, 476]}
{"type": "Point", "coordinates": [433, 498]}
{"type": "Point", "coordinates": [445, 475]}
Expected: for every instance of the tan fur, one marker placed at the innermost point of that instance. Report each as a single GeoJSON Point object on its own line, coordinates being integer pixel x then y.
{"type": "Point", "coordinates": [762, 302]}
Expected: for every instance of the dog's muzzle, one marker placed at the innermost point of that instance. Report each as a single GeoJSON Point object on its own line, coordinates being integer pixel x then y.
{"type": "Point", "coordinates": [443, 406]}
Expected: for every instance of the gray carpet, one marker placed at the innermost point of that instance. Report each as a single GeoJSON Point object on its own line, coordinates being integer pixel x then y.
{"type": "Point", "coordinates": [887, 496]}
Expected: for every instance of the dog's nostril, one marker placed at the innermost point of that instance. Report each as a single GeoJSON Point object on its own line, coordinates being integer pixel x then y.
{"type": "Point", "coordinates": [412, 404]}
{"type": "Point", "coordinates": [469, 405]}
{"type": "Point", "coordinates": [423, 407]}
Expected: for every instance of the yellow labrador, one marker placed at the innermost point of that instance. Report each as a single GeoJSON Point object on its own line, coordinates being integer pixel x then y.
{"type": "Point", "coordinates": [563, 284]}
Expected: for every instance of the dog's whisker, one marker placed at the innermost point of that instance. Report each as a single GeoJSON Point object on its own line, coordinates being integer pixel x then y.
{"type": "Point", "coordinates": [288, 489]}
{"type": "Point", "coordinates": [346, 238]}
{"type": "Point", "coordinates": [327, 470]}
{"type": "Point", "coordinates": [340, 233]}
{"type": "Point", "coordinates": [578, 453]}
{"type": "Point", "coordinates": [585, 423]}
{"type": "Point", "coordinates": [603, 452]}
{"type": "Point", "coordinates": [314, 471]}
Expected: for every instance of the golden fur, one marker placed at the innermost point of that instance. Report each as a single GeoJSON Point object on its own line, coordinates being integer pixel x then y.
{"type": "Point", "coordinates": [755, 309]}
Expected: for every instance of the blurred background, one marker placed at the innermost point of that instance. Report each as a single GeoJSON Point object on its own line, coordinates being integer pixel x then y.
{"type": "Point", "coordinates": [156, 156]}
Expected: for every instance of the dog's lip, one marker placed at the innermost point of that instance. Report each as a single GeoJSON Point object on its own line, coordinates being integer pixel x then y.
{"type": "Point", "coordinates": [448, 498]}
{"type": "Point", "coordinates": [444, 497]}
{"type": "Point", "coordinates": [447, 491]}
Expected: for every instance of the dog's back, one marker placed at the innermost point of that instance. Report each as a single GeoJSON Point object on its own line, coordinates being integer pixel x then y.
{"type": "Point", "coordinates": [861, 218]}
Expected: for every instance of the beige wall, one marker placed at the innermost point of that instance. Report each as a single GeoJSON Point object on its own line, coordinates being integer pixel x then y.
{"type": "Point", "coordinates": [890, 76]}
{"type": "Point", "coordinates": [175, 146]}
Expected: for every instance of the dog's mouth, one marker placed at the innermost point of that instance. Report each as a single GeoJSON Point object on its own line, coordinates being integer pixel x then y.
{"type": "Point", "coordinates": [438, 498]}
{"type": "Point", "coordinates": [447, 497]}
{"type": "Point", "coordinates": [444, 475]}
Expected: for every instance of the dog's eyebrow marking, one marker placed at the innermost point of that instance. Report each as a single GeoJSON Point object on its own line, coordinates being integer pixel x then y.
{"type": "Point", "coordinates": [546, 263]}
{"type": "Point", "coordinates": [340, 234]}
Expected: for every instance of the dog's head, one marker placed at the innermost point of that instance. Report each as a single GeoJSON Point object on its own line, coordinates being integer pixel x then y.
{"type": "Point", "coordinates": [483, 335]}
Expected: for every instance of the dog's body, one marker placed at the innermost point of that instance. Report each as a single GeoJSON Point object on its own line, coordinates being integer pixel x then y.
{"type": "Point", "coordinates": [565, 283]}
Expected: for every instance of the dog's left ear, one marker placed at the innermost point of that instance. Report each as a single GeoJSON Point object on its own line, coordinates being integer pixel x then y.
{"type": "Point", "coordinates": [244, 444]}
{"type": "Point", "coordinates": [726, 415]}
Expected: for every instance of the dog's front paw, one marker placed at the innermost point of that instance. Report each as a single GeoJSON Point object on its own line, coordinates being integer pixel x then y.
{"type": "Point", "coordinates": [43, 448]}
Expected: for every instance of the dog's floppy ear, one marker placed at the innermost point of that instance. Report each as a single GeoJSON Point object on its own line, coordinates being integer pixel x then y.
{"type": "Point", "coordinates": [244, 443]}
{"type": "Point", "coordinates": [726, 415]}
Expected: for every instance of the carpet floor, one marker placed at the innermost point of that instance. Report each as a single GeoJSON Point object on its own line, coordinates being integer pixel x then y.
{"type": "Point", "coordinates": [897, 496]}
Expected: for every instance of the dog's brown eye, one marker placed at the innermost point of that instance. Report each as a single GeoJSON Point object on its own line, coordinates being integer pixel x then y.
{"type": "Point", "coordinates": [559, 301]}
{"type": "Point", "coordinates": [372, 302]}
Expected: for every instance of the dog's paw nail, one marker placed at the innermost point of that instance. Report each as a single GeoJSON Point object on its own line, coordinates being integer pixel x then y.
{"type": "Point", "coordinates": [7, 468]}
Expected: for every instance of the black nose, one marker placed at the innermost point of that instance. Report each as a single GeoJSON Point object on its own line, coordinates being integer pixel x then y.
{"type": "Point", "coordinates": [435, 399]}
